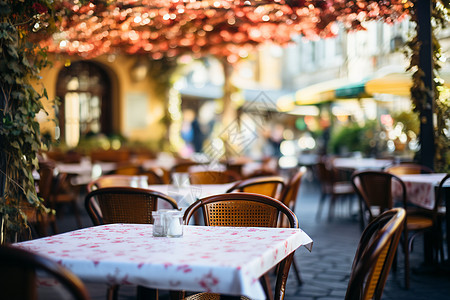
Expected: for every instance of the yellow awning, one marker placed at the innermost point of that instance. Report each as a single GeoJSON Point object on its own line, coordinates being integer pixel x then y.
{"type": "Point", "coordinates": [318, 93]}
{"type": "Point", "coordinates": [396, 84]}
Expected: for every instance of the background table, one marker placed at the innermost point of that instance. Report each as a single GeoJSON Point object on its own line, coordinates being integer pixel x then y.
{"type": "Point", "coordinates": [226, 260]}
{"type": "Point", "coordinates": [186, 195]}
{"type": "Point", "coordinates": [359, 164]}
{"type": "Point", "coordinates": [420, 188]}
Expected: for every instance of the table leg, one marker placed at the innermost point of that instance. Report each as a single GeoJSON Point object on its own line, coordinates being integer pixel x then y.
{"type": "Point", "coordinates": [146, 293]}
{"type": "Point", "coordinates": [228, 297]}
{"type": "Point", "coordinates": [447, 219]}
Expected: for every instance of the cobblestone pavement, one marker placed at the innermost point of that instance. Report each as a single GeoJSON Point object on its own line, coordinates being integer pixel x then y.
{"type": "Point", "coordinates": [325, 271]}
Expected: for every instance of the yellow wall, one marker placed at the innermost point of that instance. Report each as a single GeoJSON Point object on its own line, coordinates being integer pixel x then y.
{"type": "Point", "coordinates": [150, 130]}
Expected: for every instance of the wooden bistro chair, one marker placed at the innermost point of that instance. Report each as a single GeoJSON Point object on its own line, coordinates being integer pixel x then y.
{"type": "Point", "coordinates": [211, 177]}
{"type": "Point", "coordinates": [266, 185]}
{"type": "Point", "coordinates": [408, 168]}
{"type": "Point", "coordinates": [331, 186]}
{"type": "Point", "coordinates": [156, 175]}
{"type": "Point", "coordinates": [125, 205]}
{"type": "Point", "coordinates": [374, 256]}
{"type": "Point", "coordinates": [241, 210]}
{"type": "Point", "coordinates": [55, 190]}
{"type": "Point", "coordinates": [18, 278]}
{"type": "Point", "coordinates": [374, 189]}
{"type": "Point", "coordinates": [116, 180]}
{"type": "Point", "coordinates": [289, 198]}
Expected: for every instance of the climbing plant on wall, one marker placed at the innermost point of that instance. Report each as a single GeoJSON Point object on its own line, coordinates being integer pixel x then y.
{"type": "Point", "coordinates": [440, 19]}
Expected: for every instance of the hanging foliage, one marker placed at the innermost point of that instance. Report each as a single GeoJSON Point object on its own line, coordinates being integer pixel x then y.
{"type": "Point", "coordinates": [441, 95]}
{"type": "Point", "coordinates": [20, 137]}
{"type": "Point", "coordinates": [224, 28]}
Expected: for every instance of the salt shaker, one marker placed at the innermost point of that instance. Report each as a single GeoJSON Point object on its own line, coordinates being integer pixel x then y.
{"type": "Point", "coordinates": [159, 228]}
{"type": "Point", "coordinates": [174, 223]}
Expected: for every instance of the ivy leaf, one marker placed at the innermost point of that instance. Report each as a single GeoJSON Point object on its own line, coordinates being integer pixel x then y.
{"type": "Point", "coordinates": [15, 144]}
{"type": "Point", "coordinates": [12, 51]}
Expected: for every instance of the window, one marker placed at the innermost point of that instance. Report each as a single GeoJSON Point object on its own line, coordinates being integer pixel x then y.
{"type": "Point", "coordinates": [85, 92]}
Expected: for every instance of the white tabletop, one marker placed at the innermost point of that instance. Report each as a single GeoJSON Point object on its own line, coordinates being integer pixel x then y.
{"type": "Point", "coordinates": [186, 195]}
{"type": "Point", "coordinates": [226, 260]}
{"type": "Point", "coordinates": [357, 163]}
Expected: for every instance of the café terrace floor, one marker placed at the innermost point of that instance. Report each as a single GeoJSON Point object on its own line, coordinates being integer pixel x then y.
{"type": "Point", "coordinates": [325, 271]}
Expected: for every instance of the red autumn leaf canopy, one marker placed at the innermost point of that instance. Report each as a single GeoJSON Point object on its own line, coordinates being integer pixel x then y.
{"type": "Point", "coordinates": [219, 27]}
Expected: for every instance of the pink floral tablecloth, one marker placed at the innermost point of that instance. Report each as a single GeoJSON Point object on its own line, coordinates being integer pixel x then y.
{"type": "Point", "coordinates": [215, 259]}
{"type": "Point", "coordinates": [420, 188]}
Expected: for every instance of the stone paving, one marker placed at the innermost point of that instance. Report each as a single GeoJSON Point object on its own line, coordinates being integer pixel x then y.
{"type": "Point", "coordinates": [325, 271]}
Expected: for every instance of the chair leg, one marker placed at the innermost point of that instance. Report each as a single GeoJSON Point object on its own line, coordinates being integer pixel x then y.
{"type": "Point", "coordinates": [54, 227]}
{"type": "Point", "coordinates": [265, 282]}
{"type": "Point", "coordinates": [113, 292]}
{"type": "Point", "coordinates": [406, 251]}
{"type": "Point", "coordinates": [176, 295]}
{"type": "Point", "coordinates": [77, 214]}
{"type": "Point", "coordinates": [319, 209]}
{"type": "Point", "coordinates": [146, 293]}
{"type": "Point", "coordinates": [332, 208]}
{"type": "Point", "coordinates": [297, 272]}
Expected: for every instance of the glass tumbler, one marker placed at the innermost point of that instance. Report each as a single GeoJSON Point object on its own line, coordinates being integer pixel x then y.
{"type": "Point", "coordinates": [159, 228]}
{"type": "Point", "coordinates": [174, 223]}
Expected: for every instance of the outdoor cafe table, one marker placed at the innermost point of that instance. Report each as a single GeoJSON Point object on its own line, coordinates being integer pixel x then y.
{"type": "Point", "coordinates": [226, 260]}
{"type": "Point", "coordinates": [359, 164]}
{"type": "Point", "coordinates": [186, 195]}
{"type": "Point", "coordinates": [420, 191]}
{"type": "Point", "coordinates": [420, 188]}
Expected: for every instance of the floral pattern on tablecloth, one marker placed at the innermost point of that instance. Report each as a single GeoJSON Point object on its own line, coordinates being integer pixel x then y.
{"type": "Point", "coordinates": [420, 188]}
{"type": "Point", "coordinates": [214, 259]}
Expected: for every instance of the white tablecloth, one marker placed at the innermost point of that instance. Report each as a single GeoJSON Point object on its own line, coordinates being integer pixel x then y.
{"type": "Point", "coordinates": [355, 163]}
{"type": "Point", "coordinates": [420, 188]}
{"type": "Point", "coordinates": [214, 259]}
{"type": "Point", "coordinates": [186, 195]}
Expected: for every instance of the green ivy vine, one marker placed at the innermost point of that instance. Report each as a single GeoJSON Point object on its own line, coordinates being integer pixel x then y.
{"type": "Point", "coordinates": [440, 19]}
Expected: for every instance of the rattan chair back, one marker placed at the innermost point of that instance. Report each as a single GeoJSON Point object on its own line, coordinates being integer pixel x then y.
{"type": "Point", "coordinates": [374, 189]}
{"type": "Point", "coordinates": [156, 176]}
{"type": "Point", "coordinates": [266, 185]}
{"type": "Point", "coordinates": [211, 177]}
{"type": "Point", "coordinates": [289, 194]}
{"type": "Point", "coordinates": [18, 278]}
{"type": "Point", "coordinates": [127, 169]}
{"type": "Point", "coordinates": [46, 179]}
{"type": "Point", "coordinates": [249, 210]}
{"type": "Point", "coordinates": [115, 180]}
{"type": "Point", "coordinates": [183, 167]}
{"type": "Point", "coordinates": [124, 205]}
{"type": "Point", "coordinates": [374, 256]}
{"type": "Point", "coordinates": [408, 168]}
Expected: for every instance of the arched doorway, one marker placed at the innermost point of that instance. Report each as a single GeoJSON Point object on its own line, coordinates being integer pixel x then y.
{"type": "Point", "coordinates": [86, 101]}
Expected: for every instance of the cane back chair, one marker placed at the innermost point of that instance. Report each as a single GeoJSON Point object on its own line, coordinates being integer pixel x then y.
{"type": "Point", "coordinates": [117, 180]}
{"type": "Point", "coordinates": [374, 256]}
{"type": "Point", "coordinates": [289, 198]}
{"type": "Point", "coordinates": [374, 189]}
{"type": "Point", "coordinates": [211, 177]}
{"type": "Point", "coordinates": [331, 186]}
{"type": "Point", "coordinates": [266, 185]}
{"type": "Point", "coordinates": [242, 210]}
{"type": "Point", "coordinates": [124, 205]}
{"type": "Point", "coordinates": [18, 278]}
